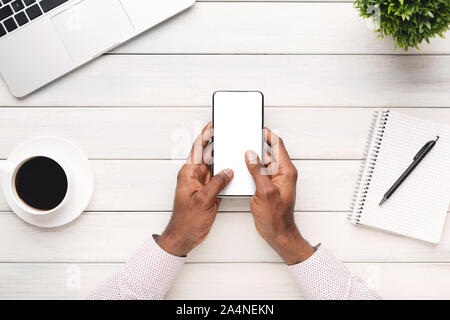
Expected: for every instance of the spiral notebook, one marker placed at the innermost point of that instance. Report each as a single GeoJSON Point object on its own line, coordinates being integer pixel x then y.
{"type": "Point", "coordinates": [419, 206]}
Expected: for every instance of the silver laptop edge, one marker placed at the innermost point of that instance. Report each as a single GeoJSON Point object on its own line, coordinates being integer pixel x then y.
{"type": "Point", "coordinates": [42, 40]}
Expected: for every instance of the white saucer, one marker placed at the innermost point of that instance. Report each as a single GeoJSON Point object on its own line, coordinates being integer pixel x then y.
{"type": "Point", "coordinates": [82, 185]}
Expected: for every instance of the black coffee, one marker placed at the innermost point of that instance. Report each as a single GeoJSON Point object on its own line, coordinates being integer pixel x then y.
{"type": "Point", "coordinates": [41, 183]}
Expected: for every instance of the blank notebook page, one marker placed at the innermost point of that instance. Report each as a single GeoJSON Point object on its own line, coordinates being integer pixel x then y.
{"type": "Point", "coordinates": [419, 206]}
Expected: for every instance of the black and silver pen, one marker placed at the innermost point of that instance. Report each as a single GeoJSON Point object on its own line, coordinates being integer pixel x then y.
{"type": "Point", "coordinates": [417, 159]}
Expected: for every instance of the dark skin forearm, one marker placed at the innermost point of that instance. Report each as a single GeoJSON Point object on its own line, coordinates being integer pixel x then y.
{"type": "Point", "coordinates": [292, 247]}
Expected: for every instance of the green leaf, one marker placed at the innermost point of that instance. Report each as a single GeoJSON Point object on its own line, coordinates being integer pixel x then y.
{"type": "Point", "coordinates": [408, 22]}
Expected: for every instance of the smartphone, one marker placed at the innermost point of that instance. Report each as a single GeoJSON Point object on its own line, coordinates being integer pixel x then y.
{"type": "Point", "coordinates": [238, 124]}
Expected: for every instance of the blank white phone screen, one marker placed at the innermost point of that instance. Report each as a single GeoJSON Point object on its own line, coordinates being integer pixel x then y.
{"type": "Point", "coordinates": [238, 125]}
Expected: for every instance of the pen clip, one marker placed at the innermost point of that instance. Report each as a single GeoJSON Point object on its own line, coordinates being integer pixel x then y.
{"type": "Point", "coordinates": [421, 150]}
{"type": "Point", "coordinates": [426, 146]}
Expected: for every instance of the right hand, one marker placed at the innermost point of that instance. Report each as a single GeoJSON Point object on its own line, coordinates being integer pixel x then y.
{"type": "Point", "coordinates": [273, 202]}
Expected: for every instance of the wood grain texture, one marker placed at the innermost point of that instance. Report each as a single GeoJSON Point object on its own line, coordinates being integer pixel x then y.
{"type": "Point", "coordinates": [136, 110]}
{"type": "Point", "coordinates": [221, 281]}
{"type": "Point", "coordinates": [148, 185]}
{"type": "Point", "coordinates": [269, 28]}
{"type": "Point", "coordinates": [286, 80]}
{"type": "Point", "coordinates": [167, 133]}
{"type": "Point", "coordinates": [114, 236]}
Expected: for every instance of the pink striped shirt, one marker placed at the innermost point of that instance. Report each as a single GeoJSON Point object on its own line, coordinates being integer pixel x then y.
{"type": "Point", "coordinates": [151, 271]}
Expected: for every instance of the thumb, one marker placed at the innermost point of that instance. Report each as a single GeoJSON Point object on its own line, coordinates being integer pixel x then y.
{"type": "Point", "coordinates": [217, 184]}
{"type": "Point", "coordinates": [256, 168]}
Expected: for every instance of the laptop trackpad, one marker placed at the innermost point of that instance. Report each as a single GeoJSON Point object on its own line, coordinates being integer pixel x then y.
{"type": "Point", "coordinates": [92, 27]}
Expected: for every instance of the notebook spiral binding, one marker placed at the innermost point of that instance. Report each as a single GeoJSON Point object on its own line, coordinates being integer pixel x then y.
{"type": "Point", "coordinates": [371, 151]}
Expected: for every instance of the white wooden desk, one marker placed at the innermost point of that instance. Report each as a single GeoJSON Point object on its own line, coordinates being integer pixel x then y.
{"type": "Point", "coordinates": [135, 111]}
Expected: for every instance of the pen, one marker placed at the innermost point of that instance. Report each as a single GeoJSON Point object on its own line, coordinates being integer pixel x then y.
{"type": "Point", "coordinates": [417, 159]}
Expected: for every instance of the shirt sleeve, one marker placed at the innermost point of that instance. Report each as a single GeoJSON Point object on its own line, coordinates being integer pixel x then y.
{"type": "Point", "coordinates": [148, 275]}
{"type": "Point", "coordinates": [323, 277]}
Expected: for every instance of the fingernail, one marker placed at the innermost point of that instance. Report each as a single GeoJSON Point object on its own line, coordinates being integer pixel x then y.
{"type": "Point", "coordinates": [228, 172]}
{"type": "Point", "coordinates": [251, 155]}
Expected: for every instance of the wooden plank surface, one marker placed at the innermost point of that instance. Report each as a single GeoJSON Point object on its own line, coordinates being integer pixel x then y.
{"type": "Point", "coordinates": [148, 185]}
{"type": "Point", "coordinates": [221, 281]}
{"type": "Point", "coordinates": [167, 133]}
{"type": "Point", "coordinates": [114, 236]}
{"type": "Point", "coordinates": [269, 28]}
{"type": "Point", "coordinates": [136, 110]}
{"type": "Point", "coordinates": [286, 80]}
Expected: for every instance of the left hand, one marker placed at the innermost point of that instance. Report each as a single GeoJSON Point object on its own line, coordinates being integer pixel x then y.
{"type": "Point", "coordinates": [196, 202]}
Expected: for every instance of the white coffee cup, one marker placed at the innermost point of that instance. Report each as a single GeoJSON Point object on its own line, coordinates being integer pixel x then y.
{"type": "Point", "coordinates": [9, 170]}
{"type": "Point", "coordinates": [79, 175]}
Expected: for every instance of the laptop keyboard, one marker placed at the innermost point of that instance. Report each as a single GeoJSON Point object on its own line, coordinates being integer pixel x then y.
{"type": "Point", "coordinates": [17, 13]}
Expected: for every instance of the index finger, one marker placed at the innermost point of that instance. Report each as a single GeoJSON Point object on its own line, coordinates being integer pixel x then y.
{"type": "Point", "coordinates": [196, 155]}
{"type": "Point", "coordinates": [256, 169]}
{"type": "Point", "coordinates": [276, 143]}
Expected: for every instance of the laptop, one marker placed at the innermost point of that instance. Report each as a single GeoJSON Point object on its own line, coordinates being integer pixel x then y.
{"type": "Point", "coordinates": [41, 40]}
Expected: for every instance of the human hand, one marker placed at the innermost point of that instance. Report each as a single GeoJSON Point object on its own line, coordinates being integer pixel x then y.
{"type": "Point", "coordinates": [196, 204]}
{"type": "Point", "coordinates": [273, 202]}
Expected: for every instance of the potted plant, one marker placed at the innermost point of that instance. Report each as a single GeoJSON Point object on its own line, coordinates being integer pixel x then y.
{"type": "Point", "coordinates": [409, 22]}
